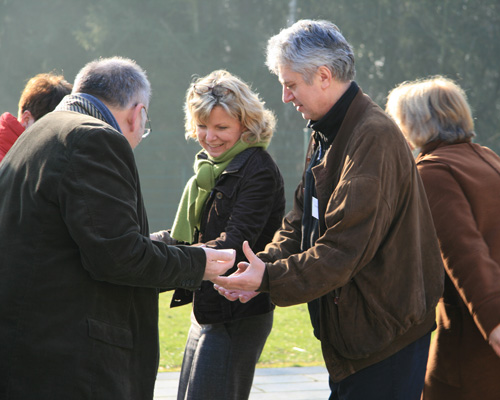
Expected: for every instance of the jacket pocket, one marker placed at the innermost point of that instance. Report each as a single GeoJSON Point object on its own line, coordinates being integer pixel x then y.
{"type": "Point", "coordinates": [354, 329]}
{"type": "Point", "coordinates": [110, 334]}
{"type": "Point", "coordinates": [223, 200]}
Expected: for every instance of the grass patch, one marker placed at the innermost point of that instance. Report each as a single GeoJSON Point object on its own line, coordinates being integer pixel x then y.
{"type": "Point", "coordinates": [290, 344]}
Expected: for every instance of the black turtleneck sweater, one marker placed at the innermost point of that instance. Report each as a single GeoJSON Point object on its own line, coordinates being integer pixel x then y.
{"type": "Point", "coordinates": [324, 132]}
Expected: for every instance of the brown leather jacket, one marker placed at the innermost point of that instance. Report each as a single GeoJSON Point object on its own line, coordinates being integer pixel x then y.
{"type": "Point", "coordinates": [376, 265]}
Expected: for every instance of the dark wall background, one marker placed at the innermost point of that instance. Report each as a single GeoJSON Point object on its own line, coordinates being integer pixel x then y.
{"type": "Point", "coordinates": [173, 40]}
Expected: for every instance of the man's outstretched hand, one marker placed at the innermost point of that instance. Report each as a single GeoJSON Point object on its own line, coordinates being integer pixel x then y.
{"type": "Point", "coordinates": [218, 262]}
{"type": "Point", "coordinates": [248, 277]}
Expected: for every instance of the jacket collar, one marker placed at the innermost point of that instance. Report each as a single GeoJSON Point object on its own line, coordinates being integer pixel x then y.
{"type": "Point", "coordinates": [333, 158]}
{"type": "Point", "coordinates": [327, 127]}
{"type": "Point", "coordinates": [436, 144]}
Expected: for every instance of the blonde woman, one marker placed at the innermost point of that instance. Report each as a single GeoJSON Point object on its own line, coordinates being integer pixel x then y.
{"type": "Point", "coordinates": [235, 195]}
{"type": "Point", "coordinates": [462, 181]}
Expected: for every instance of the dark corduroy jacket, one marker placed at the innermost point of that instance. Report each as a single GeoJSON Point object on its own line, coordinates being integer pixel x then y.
{"type": "Point", "coordinates": [79, 274]}
{"type": "Point", "coordinates": [376, 265]}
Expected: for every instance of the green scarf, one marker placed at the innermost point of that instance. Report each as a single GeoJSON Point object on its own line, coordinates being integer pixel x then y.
{"type": "Point", "coordinates": [198, 188]}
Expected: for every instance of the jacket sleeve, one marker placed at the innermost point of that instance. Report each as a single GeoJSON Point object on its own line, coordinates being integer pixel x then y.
{"type": "Point", "coordinates": [101, 205]}
{"type": "Point", "coordinates": [466, 256]}
{"type": "Point", "coordinates": [356, 219]}
{"type": "Point", "coordinates": [288, 238]}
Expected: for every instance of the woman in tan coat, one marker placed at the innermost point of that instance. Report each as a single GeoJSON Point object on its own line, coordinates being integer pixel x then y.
{"type": "Point", "coordinates": [462, 181]}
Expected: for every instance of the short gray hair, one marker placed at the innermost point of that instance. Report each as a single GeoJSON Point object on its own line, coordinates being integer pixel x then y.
{"type": "Point", "coordinates": [117, 81]}
{"type": "Point", "coordinates": [309, 44]}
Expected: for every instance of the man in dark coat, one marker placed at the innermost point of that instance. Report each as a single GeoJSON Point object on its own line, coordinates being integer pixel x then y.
{"type": "Point", "coordinates": [80, 276]}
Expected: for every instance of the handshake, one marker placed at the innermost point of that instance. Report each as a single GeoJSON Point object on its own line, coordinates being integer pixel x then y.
{"type": "Point", "coordinates": [242, 284]}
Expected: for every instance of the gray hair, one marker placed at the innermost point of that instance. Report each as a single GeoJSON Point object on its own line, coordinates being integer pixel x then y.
{"type": "Point", "coordinates": [430, 109]}
{"type": "Point", "coordinates": [117, 81]}
{"type": "Point", "coordinates": [307, 45]}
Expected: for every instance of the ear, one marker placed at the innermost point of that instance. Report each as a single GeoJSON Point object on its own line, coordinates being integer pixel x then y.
{"type": "Point", "coordinates": [134, 117]}
{"type": "Point", "coordinates": [26, 119]}
{"type": "Point", "coordinates": [325, 76]}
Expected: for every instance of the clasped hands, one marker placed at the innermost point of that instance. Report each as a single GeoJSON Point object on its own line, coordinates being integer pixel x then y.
{"type": "Point", "coordinates": [242, 284]}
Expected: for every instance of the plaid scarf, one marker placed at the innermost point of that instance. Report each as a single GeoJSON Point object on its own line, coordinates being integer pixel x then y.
{"type": "Point", "coordinates": [87, 104]}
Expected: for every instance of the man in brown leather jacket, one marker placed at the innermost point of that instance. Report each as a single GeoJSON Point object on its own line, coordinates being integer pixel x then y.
{"type": "Point", "coordinates": [359, 244]}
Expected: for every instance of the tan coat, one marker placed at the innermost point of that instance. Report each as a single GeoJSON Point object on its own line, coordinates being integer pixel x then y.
{"type": "Point", "coordinates": [462, 181]}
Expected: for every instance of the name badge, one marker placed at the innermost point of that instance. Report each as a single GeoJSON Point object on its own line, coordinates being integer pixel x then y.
{"type": "Point", "coordinates": [315, 212]}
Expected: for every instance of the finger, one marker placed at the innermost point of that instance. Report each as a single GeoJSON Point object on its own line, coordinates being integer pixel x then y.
{"type": "Point", "coordinates": [231, 296]}
{"type": "Point", "coordinates": [228, 294]}
{"type": "Point", "coordinates": [223, 281]}
{"type": "Point", "coordinates": [249, 254]}
{"type": "Point", "coordinates": [242, 267]}
{"type": "Point", "coordinates": [223, 291]}
{"type": "Point", "coordinates": [244, 298]}
{"type": "Point", "coordinates": [218, 280]}
{"type": "Point", "coordinates": [226, 254]}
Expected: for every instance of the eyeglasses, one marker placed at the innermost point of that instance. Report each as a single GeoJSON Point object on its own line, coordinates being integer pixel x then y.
{"type": "Point", "coordinates": [217, 90]}
{"type": "Point", "coordinates": [148, 130]}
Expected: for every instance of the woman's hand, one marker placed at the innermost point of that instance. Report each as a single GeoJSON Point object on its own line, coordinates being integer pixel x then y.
{"type": "Point", "coordinates": [163, 236]}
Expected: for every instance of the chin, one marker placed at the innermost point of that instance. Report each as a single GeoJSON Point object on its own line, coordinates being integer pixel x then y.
{"type": "Point", "coordinates": [214, 153]}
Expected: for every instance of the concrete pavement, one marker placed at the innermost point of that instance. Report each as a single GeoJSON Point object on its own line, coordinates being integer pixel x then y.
{"type": "Point", "coordinates": [294, 383]}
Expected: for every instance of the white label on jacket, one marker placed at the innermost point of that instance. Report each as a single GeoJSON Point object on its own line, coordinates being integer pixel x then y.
{"type": "Point", "coordinates": [315, 212]}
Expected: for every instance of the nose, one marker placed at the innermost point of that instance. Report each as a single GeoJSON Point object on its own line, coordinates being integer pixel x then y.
{"type": "Point", "coordinates": [287, 95]}
{"type": "Point", "coordinates": [210, 136]}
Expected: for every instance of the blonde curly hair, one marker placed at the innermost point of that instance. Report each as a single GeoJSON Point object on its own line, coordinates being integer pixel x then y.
{"type": "Point", "coordinates": [221, 88]}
